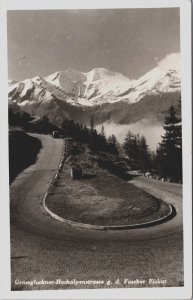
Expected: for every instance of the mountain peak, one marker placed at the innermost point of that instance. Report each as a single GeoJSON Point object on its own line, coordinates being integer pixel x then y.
{"type": "Point", "coordinates": [104, 74]}
{"type": "Point", "coordinates": [65, 80]}
{"type": "Point", "coordinates": [170, 62]}
{"type": "Point", "coordinates": [38, 79]}
{"type": "Point", "coordinates": [101, 85]}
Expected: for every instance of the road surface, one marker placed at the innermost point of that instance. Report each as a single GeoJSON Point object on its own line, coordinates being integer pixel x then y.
{"type": "Point", "coordinates": [169, 192]}
{"type": "Point", "coordinates": [42, 247]}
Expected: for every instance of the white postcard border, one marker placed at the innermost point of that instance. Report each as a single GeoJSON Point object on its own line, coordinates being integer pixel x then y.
{"type": "Point", "coordinates": [132, 293]}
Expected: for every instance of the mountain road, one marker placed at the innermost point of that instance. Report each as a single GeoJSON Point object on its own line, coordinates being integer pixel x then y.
{"type": "Point", "coordinates": [44, 248]}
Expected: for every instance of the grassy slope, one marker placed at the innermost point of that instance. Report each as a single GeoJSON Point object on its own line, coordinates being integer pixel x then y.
{"type": "Point", "coordinates": [102, 198]}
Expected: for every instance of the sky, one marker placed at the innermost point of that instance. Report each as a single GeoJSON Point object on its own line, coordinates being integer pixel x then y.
{"type": "Point", "coordinates": [129, 41]}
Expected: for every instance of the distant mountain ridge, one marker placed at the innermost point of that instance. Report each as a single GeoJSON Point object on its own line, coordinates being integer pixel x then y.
{"type": "Point", "coordinates": [108, 96]}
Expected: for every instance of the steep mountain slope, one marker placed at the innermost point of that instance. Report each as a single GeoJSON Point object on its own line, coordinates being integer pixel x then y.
{"type": "Point", "coordinates": [155, 82]}
{"type": "Point", "coordinates": [107, 95]}
{"type": "Point", "coordinates": [104, 86]}
{"type": "Point", "coordinates": [96, 87]}
{"type": "Point", "coordinates": [101, 86]}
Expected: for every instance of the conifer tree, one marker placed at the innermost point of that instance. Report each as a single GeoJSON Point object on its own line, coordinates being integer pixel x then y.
{"type": "Point", "coordinates": [130, 146]}
{"type": "Point", "coordinates": [169, 152]}
{"type": "Point", "coordinates": [143, 155]}
{"type": "Point", "coordinates": [92, 123]}
{"type": "Point", "coordinates": [102, 130]}
{"type": "Point", "coordinates": [113, 144]}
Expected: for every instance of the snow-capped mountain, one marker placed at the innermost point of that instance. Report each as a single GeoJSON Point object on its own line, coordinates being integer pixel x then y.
{"type": "Point", "coordinates": [101, 86]}
{"type": "Point", "coordinates": [96, 87]}
{"type": "Point", "coordinates": [109, 95]}
{"type": "Point", "coordinates": [155, 82]}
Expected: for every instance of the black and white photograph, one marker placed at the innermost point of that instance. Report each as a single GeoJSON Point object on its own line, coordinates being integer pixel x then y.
{"type": "Point", "coordinates": [96, 143]}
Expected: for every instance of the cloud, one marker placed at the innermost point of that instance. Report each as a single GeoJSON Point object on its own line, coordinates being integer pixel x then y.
{"type": "Point", "coordinates": [171, 61]}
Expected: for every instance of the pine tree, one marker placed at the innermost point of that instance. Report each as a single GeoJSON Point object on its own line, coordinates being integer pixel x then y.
{"type": "Point", "coordinates": [92, 123]}
{"type": "Point", "coordinates": [169, 152]}
{"type": "Point", "coordinates": [131, 147]}
{"type": "Point", "coordinates": [94, 141]}
{"type": "Point", "coordinates": [113, 144]}
{"type": "Point", "coordinates": [102, 130]}
{"type": "Point", "coordinates": [143, 155]}
{"type": "Point", "coordinates": [127, 145]}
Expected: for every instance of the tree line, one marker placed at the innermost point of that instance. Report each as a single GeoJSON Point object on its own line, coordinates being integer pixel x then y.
{"type": "Point", "coordinates": [166, 161]}
{"type": "Point", "coordinates": [136, 148]}
{"type": "Point", "coordinates": [89, 135]}
{"type": "Point", "coordinates": [69, 128]}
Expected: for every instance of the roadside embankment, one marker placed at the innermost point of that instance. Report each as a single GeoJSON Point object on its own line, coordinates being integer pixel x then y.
{"type": "Point", "coordinates": [23, 151]}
